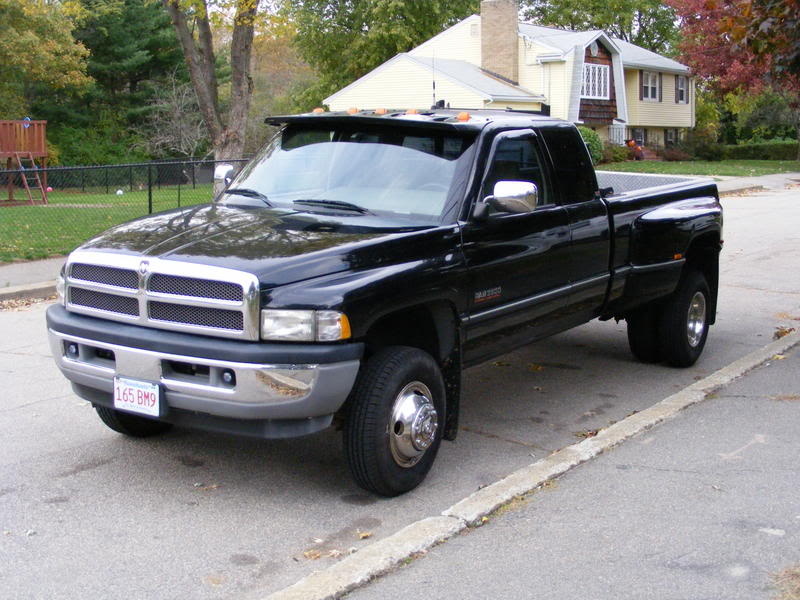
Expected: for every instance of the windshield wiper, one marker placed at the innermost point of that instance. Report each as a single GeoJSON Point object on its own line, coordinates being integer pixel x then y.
{"type": "Point", "coordinates": [338, 204]}
{"type": "Point", "coordinates": [248, 193]}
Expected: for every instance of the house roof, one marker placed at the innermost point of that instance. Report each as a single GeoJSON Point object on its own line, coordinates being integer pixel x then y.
{"type": "Point", "coordinates": [460, 72]}
{"type": "Point", "coordinates": [476, 78]}
{"type": "Point", "coordinates": [564, 41]}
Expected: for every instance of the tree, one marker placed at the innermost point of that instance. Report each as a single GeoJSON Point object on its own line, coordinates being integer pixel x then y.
{"type": "Point", "coordinates": [36, 47]}
{"type": "Point", "coordinates": [769, 27]}
{"type": "Point", "coordinates": [345, 39]}
{"type": "Point", "coordinates": [174, 125]}
{"type": "Point", "coordinates": [192, 20]}
{"type": "Point", "coordinates": [723, 45]}
{"type": "Point", "coordinates": [133, 50]}
{"type": "Point", "coordinates": [280, 75]}
{"type": "Point", "coordinates": [646, 23]}
{"type": "Point", "coordinates": [708, 49]}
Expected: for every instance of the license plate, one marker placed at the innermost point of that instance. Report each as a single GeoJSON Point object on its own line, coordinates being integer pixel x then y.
{"type": "Point", "coordinates": [133, 395]}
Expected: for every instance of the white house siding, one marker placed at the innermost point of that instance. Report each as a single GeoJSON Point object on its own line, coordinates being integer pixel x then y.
{"type": "Point", "coordinates": [560, 87]}
{"type": "Point", "coordinates": [456, 43]}
{"type": "Point", "coordinates": [402, 85]}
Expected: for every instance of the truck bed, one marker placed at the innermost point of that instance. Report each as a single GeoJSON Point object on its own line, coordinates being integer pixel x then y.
{"type": "Point", "coordinates": [628, 183]}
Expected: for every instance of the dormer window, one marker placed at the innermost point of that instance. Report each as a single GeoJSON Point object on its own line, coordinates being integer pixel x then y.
{"type": "Point", "coordinates": [596, 82]}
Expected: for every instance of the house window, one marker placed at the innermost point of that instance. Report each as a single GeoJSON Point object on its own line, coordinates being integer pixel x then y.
{"type": "Point", "coordinates": [650, 86]}
{"type": "Point", "coordinates": [639, 135]}
{"type": "Point", "coordinates": [596, 82]}
{"type": "Point", "coordinates": [670, 137]}
{"type": "Point", "coordinates": [681, 89]}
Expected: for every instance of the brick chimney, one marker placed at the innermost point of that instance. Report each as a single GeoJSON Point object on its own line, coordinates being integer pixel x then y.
{"type": "Point", "coordinates": [499, 45]}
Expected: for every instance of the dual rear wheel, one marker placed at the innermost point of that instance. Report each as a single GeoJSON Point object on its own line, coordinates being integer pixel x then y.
{"type": "Point", "coordinates": [673, 330]}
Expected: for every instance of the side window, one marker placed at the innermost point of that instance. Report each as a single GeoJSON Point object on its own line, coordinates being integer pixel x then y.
{"type": "Point", "coordinates": [572, 164]}
{"type": "Point", "coordinates": [517, 159]}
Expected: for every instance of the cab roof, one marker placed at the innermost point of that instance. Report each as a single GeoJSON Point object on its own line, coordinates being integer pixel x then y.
{"type": "Point", "coordinates": [451, 119]}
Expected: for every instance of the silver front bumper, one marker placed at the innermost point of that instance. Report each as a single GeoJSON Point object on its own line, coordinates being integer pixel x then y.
{"type": "Point", "coordinates": [257, 391]}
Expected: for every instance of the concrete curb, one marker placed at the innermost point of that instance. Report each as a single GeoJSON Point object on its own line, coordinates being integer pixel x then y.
{"type": "Point", "coordinates": [30, 290]}
{"type": "Point", "coordinates": [357, 569]}
{"type": "Point", "coordinates": [742, 190]}
{"type": "Point", "coordinates": [382, 556]}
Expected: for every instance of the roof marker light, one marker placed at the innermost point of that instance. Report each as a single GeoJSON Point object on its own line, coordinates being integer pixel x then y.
{"type": "Point", "coordinates": [352, 110]}
{"type": "Point", "coordinates": [318, 110]}
{"type": "Point", "coordinates": [463, 116]}
{"type": "Point", "coordinates": [380, 111]}
{"type": "Point", "coordinates": [412, 111]}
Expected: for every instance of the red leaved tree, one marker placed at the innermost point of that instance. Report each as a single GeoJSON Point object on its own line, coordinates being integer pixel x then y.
{"type": "Point", "coordinates": [743, 46]}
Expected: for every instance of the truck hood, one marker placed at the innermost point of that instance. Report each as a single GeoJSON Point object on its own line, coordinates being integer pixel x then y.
{"type": "Point", "coordinates": [279, 246]}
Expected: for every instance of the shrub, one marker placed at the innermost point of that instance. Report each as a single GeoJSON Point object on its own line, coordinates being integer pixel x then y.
{"type": "Point", "coordinates": [773, 150]}
{"type": "Point", "coordinates": [710, 151]}
{"type": "Point", "coordinates": [671, 154]}
{"type": "Point", "coordinates": [614, 153]}
{"type": "Point", "coordinates": [593, 142]}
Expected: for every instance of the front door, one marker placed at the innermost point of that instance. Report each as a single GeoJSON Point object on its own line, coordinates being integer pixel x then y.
{"type": "Point", "coordinates": [518, 263]}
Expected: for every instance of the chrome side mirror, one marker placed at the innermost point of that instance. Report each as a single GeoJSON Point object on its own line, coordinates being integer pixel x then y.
{"type": "Point", "coordinates": [223, 174]}
{"type": "Point", "coordinates": [513, 197]}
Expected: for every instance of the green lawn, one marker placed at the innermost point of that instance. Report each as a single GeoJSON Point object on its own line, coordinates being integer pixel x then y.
{"type": "Point", "coordinates": [735, 168]}
{"type": "Point", "coordinates": [70, 218]}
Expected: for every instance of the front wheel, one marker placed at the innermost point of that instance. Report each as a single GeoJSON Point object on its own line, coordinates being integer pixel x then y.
{"type": "Point", "coordinates": [394, 421]}
{"type": "Point", "coordinates": [684, 321]}
{"type": "Point", "coordinates": [128, 424]}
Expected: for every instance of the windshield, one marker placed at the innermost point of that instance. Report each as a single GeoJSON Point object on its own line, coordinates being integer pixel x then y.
{"type": "Point", "coordinates": [393, 172]}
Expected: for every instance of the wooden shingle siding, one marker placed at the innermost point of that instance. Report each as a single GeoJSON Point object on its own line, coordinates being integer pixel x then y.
{"type": "Point", "coordinates": [595, 110]}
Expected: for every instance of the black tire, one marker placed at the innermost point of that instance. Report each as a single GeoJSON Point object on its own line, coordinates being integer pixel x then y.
{"type": "Point", "coordinates": [644, 338]}
{"type": "Point", "coordinates": [394, 376]}
{"type": "Point", "coordinates": [132, 425]}
{"type": "Point", "coordinates": [683, 330]}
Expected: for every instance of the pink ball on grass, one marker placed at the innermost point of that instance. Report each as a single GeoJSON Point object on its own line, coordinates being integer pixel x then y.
{"type": "Point", "coordinates": [49, 189]}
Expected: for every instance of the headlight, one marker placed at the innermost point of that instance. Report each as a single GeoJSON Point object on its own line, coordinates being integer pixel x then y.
{"type": "Point", "coordinates": [61, 287]}
{"type": "Point", "coordinates": [304, 325]}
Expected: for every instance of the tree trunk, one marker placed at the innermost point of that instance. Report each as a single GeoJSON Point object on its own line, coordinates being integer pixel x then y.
{"type": "Point", "coordinates": [227, 133]}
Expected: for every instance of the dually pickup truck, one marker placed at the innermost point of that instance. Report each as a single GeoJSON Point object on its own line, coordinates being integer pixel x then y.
{"type": "Point", "coordinates": [352, 269]}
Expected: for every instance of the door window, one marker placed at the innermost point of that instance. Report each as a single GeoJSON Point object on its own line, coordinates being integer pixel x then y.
{"type": "Point", "coordinates": [516, 158]}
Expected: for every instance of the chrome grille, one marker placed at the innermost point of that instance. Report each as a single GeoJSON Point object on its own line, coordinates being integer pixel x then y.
{"type": "Point", "coordinates": [194, 287]}
{"type": "Point", "coordinates": [123, 278]}
{"type": "Point", "coordinates": [165, 294]}
{"type": "Point", "coordinates": [216, 318]}
{"type": "Point", "coordinates": [124, 305]}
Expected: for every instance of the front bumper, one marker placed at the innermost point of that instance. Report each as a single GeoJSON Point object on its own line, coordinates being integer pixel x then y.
{"type": "Point", "coordinates": [299, 385]}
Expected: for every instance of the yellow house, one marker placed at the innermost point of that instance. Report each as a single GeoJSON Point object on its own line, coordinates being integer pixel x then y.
{"type": "Point", "coordinates": [492, 60]}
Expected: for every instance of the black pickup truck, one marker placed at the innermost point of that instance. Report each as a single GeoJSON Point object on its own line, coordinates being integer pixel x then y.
{"type": "Point", "coordinates": [350, 272]}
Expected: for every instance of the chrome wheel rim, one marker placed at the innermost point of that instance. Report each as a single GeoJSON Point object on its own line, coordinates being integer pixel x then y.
{"type": "Point", "coordinates": [413, 423]}
{"type": "Point", "coordinates": [696, 319]}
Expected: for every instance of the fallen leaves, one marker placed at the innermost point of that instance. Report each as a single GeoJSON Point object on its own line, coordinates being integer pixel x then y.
{"type": "Point", "coordinates": [363, 535]}
{"type": "Point", "coordinates": [15, 304]}
{"type": "Point", "coordinates": [587, 433]}
{"type": "Point", "coordinates": [788, 583]}
{"type": "Point", "coordinates": [534, 368]}
{"type": "Point", "coordinates": [206, 487]}
{"type": "Point", "coordinates": [782, 331]}
{"type": "Point", "coordinates": [787, 398]}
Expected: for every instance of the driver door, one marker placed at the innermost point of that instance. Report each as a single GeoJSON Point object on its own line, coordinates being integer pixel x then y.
{"type": "Point", "coordinates": [518, 263]}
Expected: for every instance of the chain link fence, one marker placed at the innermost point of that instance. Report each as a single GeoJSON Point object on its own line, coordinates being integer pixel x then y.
{"type": "Point", "coordinates": [84, 201]}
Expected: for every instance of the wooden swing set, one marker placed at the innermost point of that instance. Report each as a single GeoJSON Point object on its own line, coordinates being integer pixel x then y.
{"type": "Point", "coordinates": [23, 145]}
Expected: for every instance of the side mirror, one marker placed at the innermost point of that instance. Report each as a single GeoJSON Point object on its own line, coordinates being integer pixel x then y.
{"type": "Point", "coordinates": [514, 197]}
{"type": "Point", "coordinates": [223, 174]}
